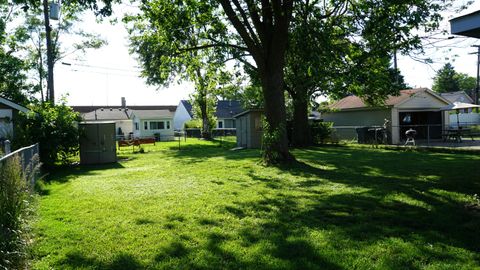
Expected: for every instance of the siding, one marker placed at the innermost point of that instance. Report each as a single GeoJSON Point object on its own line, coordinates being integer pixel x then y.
{"type": "Point", "coordinates": [347, 121]}
{"type": "Point", "coordinates": [180, 117]}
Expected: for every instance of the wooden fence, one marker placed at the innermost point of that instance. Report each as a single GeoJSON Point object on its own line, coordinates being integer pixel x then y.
{"type": "Point", "coordinates": [29, 159]}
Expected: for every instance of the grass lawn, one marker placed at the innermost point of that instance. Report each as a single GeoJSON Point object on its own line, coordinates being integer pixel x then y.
{"type": "Point", "coordinates": [206, 207]}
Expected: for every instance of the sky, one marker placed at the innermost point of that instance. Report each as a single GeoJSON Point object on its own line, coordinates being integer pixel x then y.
{"type": "Point", "coordinates": [103, 76]}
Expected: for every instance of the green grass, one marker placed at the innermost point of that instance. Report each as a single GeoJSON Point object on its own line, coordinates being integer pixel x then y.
{"type": "Point", "coordinates": [205, 207]}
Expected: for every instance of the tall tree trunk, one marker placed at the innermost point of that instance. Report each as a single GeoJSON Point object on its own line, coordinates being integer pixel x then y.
{"type": "Point", "coordinates": [301, 132]}
{"type": "Point", "coordinates": [48, 34]}
{"type": "Point", "coordinates": [206, 134]}
{"type": "Point", "coordinates": [275, 141]}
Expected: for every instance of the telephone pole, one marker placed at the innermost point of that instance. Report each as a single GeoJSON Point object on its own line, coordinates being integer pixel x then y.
{"type": "Point", "coordinates": [476, 92]}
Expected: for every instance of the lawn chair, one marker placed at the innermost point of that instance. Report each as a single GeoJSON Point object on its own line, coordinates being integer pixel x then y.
{"type": "Point", "coordinates": [411, 133]}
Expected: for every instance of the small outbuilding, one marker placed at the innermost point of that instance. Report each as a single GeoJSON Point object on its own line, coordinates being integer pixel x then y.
{"type": "Point", "coordinates": [97, 143]}
{"type": "Point", "coordinates": [249, 128]}
{"type": "Point", "coordinates": [413, 108]}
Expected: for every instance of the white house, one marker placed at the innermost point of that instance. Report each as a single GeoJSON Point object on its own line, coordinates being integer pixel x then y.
{"type": "Point", "coordinates": [8, 112]}
{"type": "Point", "coordinates": [153, 123]}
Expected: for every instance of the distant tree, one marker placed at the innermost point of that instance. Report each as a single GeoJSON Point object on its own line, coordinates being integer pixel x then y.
{"type": "Point", "coordinates": [466, 82]}
{"type": "Point", "coordinates": [446, 80]}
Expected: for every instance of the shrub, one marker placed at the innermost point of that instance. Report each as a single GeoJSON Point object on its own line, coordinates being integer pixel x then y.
{"type": "Point", "coordinates": [321, 131]}
{"type": "Point", "coordinates": [194, 123]}
{"type": "Point", "coordinates": [54, 127]}
{"type": "Point", "coordinates": [15, 199]}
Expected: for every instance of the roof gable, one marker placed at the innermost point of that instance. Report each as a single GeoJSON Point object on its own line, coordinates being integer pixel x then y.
{"type": "Point", "coordinates": [188, 107]}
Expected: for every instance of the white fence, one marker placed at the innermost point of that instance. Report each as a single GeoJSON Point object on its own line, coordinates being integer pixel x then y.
{"type": "Point", "coordinates": [465, 119]}
{"type": "Point", "coordinates": [29, 159]}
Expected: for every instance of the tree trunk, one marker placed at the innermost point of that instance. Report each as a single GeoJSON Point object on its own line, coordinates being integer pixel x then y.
{"type": "Point", "coordinates": [48, 34]}
{"type": "Point", "coordinates": [206, 134]}
{"type": "Point", "coordinates": [301, 132]}
{"type": "Point", "coordinates": [275, 142]}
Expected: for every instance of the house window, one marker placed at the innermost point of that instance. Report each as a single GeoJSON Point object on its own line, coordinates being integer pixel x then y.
{"type": "Point", "coordinates": [157, 125]}
{"type": "Point", "coordinates": [220, 124]}
{"type": "Point", "coordinates": [168, 124]}
{"type": "Point", "coordinates": [136, 126]}
{"type": "Point", "coordinates": [145, 125]}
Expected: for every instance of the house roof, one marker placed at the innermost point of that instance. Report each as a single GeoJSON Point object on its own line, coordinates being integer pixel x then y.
{"type": "Point", "coordinates": [460, 96]}
{"type": "Point", "coordinates": [187, 106]}
{"type": "Point", "coordinates": [224, 108]}
{"type": "Point", "coordinates": [152, 114]}
{"type": "Point", "coordinates": [228, 108]}
{"type": "Point", "coordinates": [107, 114]}
{"type": "Point", "coordinates": [85, 109]}
{"type": "Point", "coordinates": [13, 105]}
{"type": "Point", "coordinates": [354, 102]}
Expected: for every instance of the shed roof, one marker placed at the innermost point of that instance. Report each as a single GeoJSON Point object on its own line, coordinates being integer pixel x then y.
{"type": "Point", "coordinates": [107, 114]}
{"type": "Point", "coordinates": [13, 105]}
{"type": "Point", "coordinates": [152, 114]}
{"type": "Point", "coordinates": [354, 102]}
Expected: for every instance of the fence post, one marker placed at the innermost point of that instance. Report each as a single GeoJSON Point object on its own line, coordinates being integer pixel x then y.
{"type": "Point", "coordinates": [428, 134]}
{"type": "Point", "coordinates": [8, 148]}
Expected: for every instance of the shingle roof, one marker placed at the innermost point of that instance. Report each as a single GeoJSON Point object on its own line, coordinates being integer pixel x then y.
{"type": "Point", "coordinates": [228, 108]}
{"type": "Point", "coordinates": [354, 102]}
{"type": "Point", "coordinates": [152, 114]}
{"type": "Point", "coordinates": [460, 96]}
{"type": "Point", "coordinates": [187, 106]}
{"type": "Point", "coordinates": [85, 109]}
{"type": "Point", "coordinates": [224, 108]}
{"type": "Point", "coordinates": [107, 114]}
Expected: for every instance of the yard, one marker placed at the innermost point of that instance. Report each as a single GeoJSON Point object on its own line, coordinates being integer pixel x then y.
{"type": "Point", "coordinates": [205, 207]}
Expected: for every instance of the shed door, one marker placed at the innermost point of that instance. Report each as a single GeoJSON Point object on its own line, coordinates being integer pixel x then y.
{"type": "Point", "coordinates": [106, 135]}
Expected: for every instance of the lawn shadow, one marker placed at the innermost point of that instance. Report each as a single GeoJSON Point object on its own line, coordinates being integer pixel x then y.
{"type": "Point", "coordinates": [121, 261]}
{"type": "Point", "coordinates": [63, 174]}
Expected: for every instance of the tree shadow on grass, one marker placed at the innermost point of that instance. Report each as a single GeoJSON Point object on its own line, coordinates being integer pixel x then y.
{"type": "Point", "coordinates": [63, 174]}
{"type": "Point", "coordinates": [121, 261]}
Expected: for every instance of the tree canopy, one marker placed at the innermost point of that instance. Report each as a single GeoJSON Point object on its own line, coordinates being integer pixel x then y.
{"type": "Point", "coordinates": [448, 80]}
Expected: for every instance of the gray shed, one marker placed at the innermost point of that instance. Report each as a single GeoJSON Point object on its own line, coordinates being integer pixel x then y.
{"type": "Point", "coordinates": [97, 143]}
{"type": "Point", "coordinates": [249, 128]}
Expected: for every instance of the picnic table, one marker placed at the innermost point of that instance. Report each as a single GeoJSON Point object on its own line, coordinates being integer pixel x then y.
{"type": "Point", "coordinates": [456, 134]}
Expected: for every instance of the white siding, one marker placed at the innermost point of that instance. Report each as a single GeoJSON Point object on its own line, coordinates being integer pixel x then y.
{"type": "Point", "coordinates": [166, 133]}
{"type": "Point", "coordinates": [421, 101]}
{"type": "Point", "coordinates": [464, 119]}
{"type": "Point", "coordinates": [180, 117]}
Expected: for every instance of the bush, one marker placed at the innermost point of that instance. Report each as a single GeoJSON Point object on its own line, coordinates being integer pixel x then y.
{"type": "Point", "coordinates": [321, 131]}
{"type": "Point", "coordinates": [54, 127]}
{"type": "Point", "coordinates": [15, 199]}
{"type": "Point", "coordinates": [194, 123]}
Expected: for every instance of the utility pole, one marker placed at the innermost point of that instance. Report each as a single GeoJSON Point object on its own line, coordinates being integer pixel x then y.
{"type": "Point", "coordinates": [476, 92]}
{"type": "Point", "coordinates": [48, 32]}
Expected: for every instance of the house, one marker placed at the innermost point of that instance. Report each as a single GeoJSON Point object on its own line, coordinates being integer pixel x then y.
{"type": "Point", "coordinates": [120, 116]}
{"type": "Point", "coordinates": [225, 112]}
{"type": "Point", "coordinates": [249, 128]}
{"type": "Point", "coordinates": [153, 123]}
{"type": "Point", "coordinates": [8, 113]}
{"type": "Point", "coordinates": [413, 108]}
{"type": "Point", "coordinates": [458, 96]}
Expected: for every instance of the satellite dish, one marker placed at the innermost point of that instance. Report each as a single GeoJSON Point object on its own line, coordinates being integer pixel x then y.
{"type": "Point", "coordinates": [54, 11]}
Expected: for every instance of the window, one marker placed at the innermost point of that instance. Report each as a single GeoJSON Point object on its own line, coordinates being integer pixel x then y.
{"type": "Point", "coordinates": [157, 125]}
{"type": "Point", "coordinates": [145, 125]}
{"type": "Point", "coordinates": [168, 124]}
{"type": "Point", "coordinates": [220, 124]}
{"type": "Point", "coordinates": [136, 126]}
